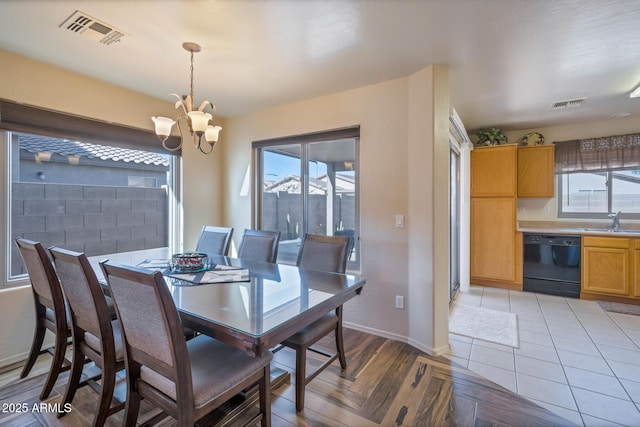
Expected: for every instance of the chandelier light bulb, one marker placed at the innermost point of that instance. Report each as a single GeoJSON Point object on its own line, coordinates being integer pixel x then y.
{"type": "Point", "coordinates": [199, 121]}
{"type": "Point", "coordinates": [211, 134]}
{"type": "Point", "coordinates": [163, 126]}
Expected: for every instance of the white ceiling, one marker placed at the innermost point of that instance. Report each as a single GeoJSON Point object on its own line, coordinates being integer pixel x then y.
{"type": "Point", "coordinates": [508, 60]}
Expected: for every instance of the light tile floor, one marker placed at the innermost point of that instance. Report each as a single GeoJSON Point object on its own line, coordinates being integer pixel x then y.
{"type": "Point", "coordinates": [574, 359]}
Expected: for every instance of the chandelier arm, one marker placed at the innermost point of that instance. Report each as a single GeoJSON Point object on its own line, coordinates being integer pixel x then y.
{"type": "Point", "coordinates": [170, 148]}
{"type": "Point", "coordinates": [200, 144]}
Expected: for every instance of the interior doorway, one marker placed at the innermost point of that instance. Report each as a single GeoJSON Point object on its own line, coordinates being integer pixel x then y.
{"type": "Point", "coordinates": [454, 221]}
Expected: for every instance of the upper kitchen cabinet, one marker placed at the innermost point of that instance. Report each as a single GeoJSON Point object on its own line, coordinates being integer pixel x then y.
{"type": "Point", "coordinates": [493, 171]}
{"type": "Point", "coordinates": [535, 171]}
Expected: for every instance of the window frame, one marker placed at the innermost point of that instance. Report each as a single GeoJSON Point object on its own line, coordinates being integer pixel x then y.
{"type": "Point", "coordinates": [20, 118]}
{"type": "Point", "coordinates": [590, 215]}
{"type": "Point", "coordinates": [305, 141]}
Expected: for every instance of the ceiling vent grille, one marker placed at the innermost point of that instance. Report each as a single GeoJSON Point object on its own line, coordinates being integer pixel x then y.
{"type": "Point", "coordinates": [571, 103]}
{"type": "Point", "coordinates": [92, 28]}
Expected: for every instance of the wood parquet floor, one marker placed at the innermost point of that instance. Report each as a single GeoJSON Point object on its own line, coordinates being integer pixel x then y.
{"type": "Point", "coordinates": [387, 383]}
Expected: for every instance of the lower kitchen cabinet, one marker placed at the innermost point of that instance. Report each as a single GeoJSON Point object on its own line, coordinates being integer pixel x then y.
{"type": "Point", "coordinates": [635, 285]}
{"type": "Point", "coordinates": [607, 267]}
{"type": "Point", "coordinates": [496, 249]}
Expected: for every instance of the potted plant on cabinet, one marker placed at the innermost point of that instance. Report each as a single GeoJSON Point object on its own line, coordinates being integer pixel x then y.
{"type": "Point", "coordinates": [493, 136]}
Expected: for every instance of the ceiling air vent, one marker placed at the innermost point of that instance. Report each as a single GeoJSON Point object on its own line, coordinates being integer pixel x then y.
{"type": "Point", "coordinates": [571, 103]}
{"type": "Point", "coordinates": [92, 28]}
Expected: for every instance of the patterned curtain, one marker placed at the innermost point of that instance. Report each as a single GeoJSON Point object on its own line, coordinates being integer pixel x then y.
{"type": "Point", "coordinates": [598, 154]}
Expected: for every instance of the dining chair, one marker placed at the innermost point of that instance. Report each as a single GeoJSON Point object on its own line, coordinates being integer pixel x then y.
{"type": "Point", "coordinates": [186, 379]}
{"type": "Point", "coordinates": [50, 309]}
{"type": "Point", "coordinates": [351, 233]}
{"type": "Point", "coordinates": [324, 253]}
{"type": "Point", "coordinates": [95, 335]}
{"type": "Point", "coordinates": [214, 240]}
{"type": "Point", "coordinates": [259, 245]}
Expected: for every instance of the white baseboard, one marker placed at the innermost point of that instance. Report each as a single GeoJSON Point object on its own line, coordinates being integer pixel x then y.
{"type": "Point", "coordinates": [14, 359]}
{"type": "Point", "coordinates": [378, 332]}
{"type": "Point", "coordinates": [386, 334]}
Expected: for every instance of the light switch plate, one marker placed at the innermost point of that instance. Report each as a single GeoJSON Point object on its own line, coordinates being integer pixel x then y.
{"type": "Point", "coordinates": [399, 221]}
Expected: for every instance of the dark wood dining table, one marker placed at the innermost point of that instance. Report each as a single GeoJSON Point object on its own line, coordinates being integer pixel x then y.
{"type": "Point", "coordinates": [274, 303]}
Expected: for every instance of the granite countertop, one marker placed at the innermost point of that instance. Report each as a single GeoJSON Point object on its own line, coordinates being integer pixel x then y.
{"type": "Point", "coordinates": [578, 227]}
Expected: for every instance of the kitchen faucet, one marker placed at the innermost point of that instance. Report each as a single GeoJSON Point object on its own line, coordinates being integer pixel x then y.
{"type": "Point", "coordinates": [616, 220]}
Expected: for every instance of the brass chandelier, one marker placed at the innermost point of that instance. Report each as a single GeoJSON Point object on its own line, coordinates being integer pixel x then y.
{"type": "Point", "coordinates": [197, 120]}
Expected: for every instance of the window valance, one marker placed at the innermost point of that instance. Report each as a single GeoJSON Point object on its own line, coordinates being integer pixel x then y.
{"type": "Point", "coordinates": [29, 119]}
{"type": "Point", "coordinates": [607, 153]}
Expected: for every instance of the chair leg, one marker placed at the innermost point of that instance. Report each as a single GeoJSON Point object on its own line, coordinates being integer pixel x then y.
{"type": "Point", "coordinates": [56, 364]}
{"type": "Point", "coordinates": [74, 378]}
{"type": "Point", "coordinates": [301, 377]}
{"type": "Point", "coordinates": [36, 345]}
{"type": "Point", "coordinates": [106, 394]}
{"type": "Point", "coordinates": [131, 408]}
{"type": "Point", "coordinates": [265, 397]}
{"type": "Point", "coordinates": [340, 346]}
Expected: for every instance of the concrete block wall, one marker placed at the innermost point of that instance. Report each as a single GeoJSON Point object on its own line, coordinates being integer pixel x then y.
{"type": "Point", "coordinates": [96, 220]}
{"type": "Point", "coordinates": [276, 207]}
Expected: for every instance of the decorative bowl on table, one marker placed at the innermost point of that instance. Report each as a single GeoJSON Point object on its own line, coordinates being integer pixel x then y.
{"type": "Point", "coordinates": [191, 262]}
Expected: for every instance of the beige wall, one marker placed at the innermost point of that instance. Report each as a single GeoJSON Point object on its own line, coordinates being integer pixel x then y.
{"type": "Point", "coordinates": [388, 141]}
{"type": "Point", "coordinates": [397, 173]}
{"type": "Point", "coordinates": [534, 209]}
{"type": "Point", "coordinates": [429, 209]}
{"type": "Point", "coordinates": [35, 83]}
{"type": "Point", "coordinates": [381, 111]}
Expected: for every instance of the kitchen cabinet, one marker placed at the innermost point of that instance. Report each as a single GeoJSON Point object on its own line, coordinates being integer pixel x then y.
{"type": "Point", "coordinates": [496, 247]}
{"type": "Point", "coordinates": [536, 171]}
{"type": "Point", "coordinates": [606, 266]}
{"type": "Point", "coordinates": [493, 238]}
{"type": "Point", "coordinates": [493, 171]}
{"type": "Point", "coordinates": [635, 284]}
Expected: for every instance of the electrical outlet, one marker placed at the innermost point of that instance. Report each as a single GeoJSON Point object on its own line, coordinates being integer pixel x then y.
{"type": "Point", "coordinates": [547, 209]}
{"type": "Point", "coordinates": [400, 302]}
{"type": "Point", "coordinates": [521, 209]}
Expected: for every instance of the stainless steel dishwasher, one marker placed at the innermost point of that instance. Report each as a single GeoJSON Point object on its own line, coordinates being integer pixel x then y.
{"type": "Point", "coordinates": [551, 264]}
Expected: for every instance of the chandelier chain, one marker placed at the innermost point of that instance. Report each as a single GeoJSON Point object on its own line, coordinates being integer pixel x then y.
{"type": "Point", "coordinates": [192, 99]}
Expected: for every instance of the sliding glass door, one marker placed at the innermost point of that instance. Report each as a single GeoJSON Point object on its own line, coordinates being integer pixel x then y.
{"type": "Point", "coordinates": [308, 187]}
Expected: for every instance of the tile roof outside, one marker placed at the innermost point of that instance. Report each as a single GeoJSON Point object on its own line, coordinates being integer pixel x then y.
{"type": "Point", "coordinates": [64, 147]}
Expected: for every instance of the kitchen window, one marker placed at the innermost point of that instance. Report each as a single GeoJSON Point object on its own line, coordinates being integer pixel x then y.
{"type": "Point", "coordinates": [71, 188]}
{"type": "Point", "coordinates": [596, 194]}
{"type": "Point", "coordinates": [598, 176]}
{"type": "Point", "coordinates": [309, 184]}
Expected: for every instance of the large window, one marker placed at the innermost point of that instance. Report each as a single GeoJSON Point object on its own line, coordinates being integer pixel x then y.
{"type": "Point", "coordinates": [309, 184]}
{"type": "Point", "coordinates": [83, 185]}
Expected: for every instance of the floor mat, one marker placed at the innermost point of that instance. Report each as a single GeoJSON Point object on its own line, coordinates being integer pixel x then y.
{"type": "Point", "coordinates": [489, 325]}
{"type": "Point", "coordinates": [617, 307]}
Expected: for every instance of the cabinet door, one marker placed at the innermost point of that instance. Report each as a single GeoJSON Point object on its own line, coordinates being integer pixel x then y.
{"type": "Point", "coordinates": [493, 238]}
{"type": "Point", "coordinates": [493, 171]}
{"type": "Point", "coordinates": [606, 270]}
{"type": "Point", "coordinates": [536, 171]}
{"type": "Point", "coordinates": [635, 281]}
{"type": "Point", "coordinates": [636, 276]}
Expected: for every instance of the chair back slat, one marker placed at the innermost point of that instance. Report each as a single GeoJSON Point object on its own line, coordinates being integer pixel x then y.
{"type": "Point", "coordinates": [259, 245]}
{"type": "Point", "coordinates": [324, 253]}
{"type": "Point", "coordinates": [214, 240]}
